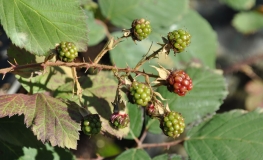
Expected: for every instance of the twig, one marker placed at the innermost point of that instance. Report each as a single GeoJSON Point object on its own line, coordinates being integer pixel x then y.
{"type": "Point", "coordinates": [165, 144]}
{"type": "Point", "coordinates": [147, 58]}
{"type": "Point", "coordinates": [19, 68]}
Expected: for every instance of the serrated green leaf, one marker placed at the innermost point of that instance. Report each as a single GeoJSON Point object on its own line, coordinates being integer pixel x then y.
{"type": "Point", "coordinates": [239, 4]}
{"type": "Point", "coordinates": [136, 121]}
{"type": "Point", "coordinates": [98, 93]}
{"type": "Point", "coordinates": [232, 135]}
{"type": "Point", "coordinates": [208, 93]}
{"type": "Point", "coordinates": [248, 22]}
{"type": "Point", "coordinates": [134, 154]}
{"type": "Point", "coordinates": [38, 25]}
{"type": "Point", "coordinates": [159, 13]}
{"type": "Point", "coordinates": [50, 119]}
{"type": "Point", "coordinates": [14, 131]}
{"type": "Point", "coordinates": [50, 80]}
{"type": "Point", "coordinates": [97, 32]}
{"type": "Point", "coordinates": [168, 156]}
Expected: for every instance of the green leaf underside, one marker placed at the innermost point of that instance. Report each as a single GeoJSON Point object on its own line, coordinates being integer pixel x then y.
{"type": "Point", "coordinates": [209, 90]}
{"type": "Point", "coordinates": [50, 119]}
{"type": "Point", "coordinates": [14, 131]}
{"type": "Point", "coordinates": [193, 53]}
{"type": "Point", "coordinates": [233, 135]}
{"type": "Point", "coordinates": [239, 4]}
{"type": "Point", "coordinates": [38, 25]}
{"type": "Point", "coordinates": [134, 154]}
{"type": "Point", "coordinates": [168, 156]}
{"type": "Point", "coordinates": [122, 13]}
{"type": "Point", "coordinates": [136, 121]}
{"type": "Point", "coordinates": [248, 22]}
{"type": "Point", "coordinates": [98, 93]}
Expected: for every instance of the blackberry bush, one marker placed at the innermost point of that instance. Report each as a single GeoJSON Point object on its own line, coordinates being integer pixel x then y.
{"type": "Point", "coordinates": [141, 93]}
{"type": "Point", "coordinates": [67, 51]}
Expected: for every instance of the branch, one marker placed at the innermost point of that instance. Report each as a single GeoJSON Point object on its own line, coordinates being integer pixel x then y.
{"type": "Point", "coordinates": [19, 68]}
{"type": "Point", "coordinates": [165, 144]}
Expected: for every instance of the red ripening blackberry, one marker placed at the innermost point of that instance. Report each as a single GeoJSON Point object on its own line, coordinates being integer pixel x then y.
{"type": "Point", "coordinates": [179, 40]}
{"type": "Point", "coordinates": [91, 124]}
{"type": "Point", "coordinates": [172, 124]}
{"type": "Point", "coordinates": [179, 82]}
{"type": "Point", "coordinates": [141, 28]}
{"type": "Point", "coordinates": [119, 120]}
{"type": "Point", "coordinates": [141, 93]}
{"type": "Point", "coordinates": [67, 51]}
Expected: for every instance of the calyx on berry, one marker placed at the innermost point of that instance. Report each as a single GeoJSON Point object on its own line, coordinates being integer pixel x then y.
{"type": "Point", "coordinates": [67, 51]}
{"type": "Point", "coordinates": [179, 82]}
{"type": "Point", "coordinates": [91, 124]}
{"type": "Point", "coordinates": [172, 124]}
{"type": "Point", "coordinates": [119, 120]}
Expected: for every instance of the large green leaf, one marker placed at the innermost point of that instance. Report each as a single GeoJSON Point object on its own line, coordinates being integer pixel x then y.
{"type": "Point", "coordinates": [134, 154]}
{"type": "Point", "coordinates": [248, 22]}
{"type": "Point", "coordinates": [14, 131]}
{"type": "Point", "coordinates": [160, 13]}
{"type": "Point", "coordinates": [98, 93]}
{"type": "Point", "coordinates": [240, 4]}
{"type": "Point", "coordinates": [122, 56]}
{"type": "Point", "coordinates": [233, 135]}
{"type": "Point", "coordinates": [50, 119]}
{"type": "Point", "coordinates": [208, 93]}
{"type": "Point", "coordinates": [38, 25]}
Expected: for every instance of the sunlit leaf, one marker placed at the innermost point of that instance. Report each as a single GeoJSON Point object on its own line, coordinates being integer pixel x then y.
{"type": "Point", "coordinates": [39, 25]}
{"type": "Point", "coordinates": [239, 4]}
{"type": "Point", "coordinates": [233, 135]}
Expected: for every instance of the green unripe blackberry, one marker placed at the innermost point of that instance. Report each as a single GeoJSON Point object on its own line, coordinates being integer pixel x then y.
{"type": "Point", "coordinates": [179, 40]}
{"type": "Point", "coordinates": [141, 28]}
{"type": "Point", "coordinates": [119, 120]}
{"type": "Point", "coordinates": [141, 93]}
{"type": "Point", "coordinates": [91, 124]}
{"type": "Point", "coordinates": [67, 51]}
{"type": "Point", "coordinates": [172, 124]}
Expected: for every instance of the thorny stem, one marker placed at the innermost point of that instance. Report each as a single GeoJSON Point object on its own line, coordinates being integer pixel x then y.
{"type": "Point", "coordinates": [147, 58]}
{"type": "Point", "coordinates": [19, 68]}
